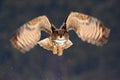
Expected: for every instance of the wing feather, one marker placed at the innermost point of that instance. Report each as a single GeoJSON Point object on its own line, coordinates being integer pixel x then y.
{"type": "Point", "coordinates": [87, 28]}
{"type": "Point", "coordinates": [27, 36]}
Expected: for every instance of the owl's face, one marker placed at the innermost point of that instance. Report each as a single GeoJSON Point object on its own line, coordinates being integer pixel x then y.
{"type": "Point", "coordinates": [59, 36]}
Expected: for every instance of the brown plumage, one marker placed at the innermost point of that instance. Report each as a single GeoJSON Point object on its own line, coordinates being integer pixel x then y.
{"type": "Point", "coordinates": [88, 28]}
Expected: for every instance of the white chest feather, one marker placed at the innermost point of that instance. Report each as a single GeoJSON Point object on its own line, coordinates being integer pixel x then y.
{"type": "Point", "coordinates": [59, 42]}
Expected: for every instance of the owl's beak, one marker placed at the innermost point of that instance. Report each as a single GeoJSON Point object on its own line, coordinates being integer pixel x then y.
{"type": "Point", "coordinates": [61, 36]}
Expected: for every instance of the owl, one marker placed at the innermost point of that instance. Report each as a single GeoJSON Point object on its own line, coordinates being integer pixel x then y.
{"type": "Point", "coordinates": [88, 29]}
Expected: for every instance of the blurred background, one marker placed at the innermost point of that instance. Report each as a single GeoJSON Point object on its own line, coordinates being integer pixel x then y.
{"type": "Point", "coordinates": [82, 61]}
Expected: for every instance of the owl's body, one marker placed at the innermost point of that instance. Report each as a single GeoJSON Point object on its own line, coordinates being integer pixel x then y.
{"type": "Point", "coordinates": [56, 47]}
{"type": "Point", "coordinates": [87, 28]}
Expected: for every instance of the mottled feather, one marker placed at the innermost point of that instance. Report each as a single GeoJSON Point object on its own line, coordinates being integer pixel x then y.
{"type": "Point", "coordinates": [27, 36]}
{"type": "Point", "coordinates": [88, 28]}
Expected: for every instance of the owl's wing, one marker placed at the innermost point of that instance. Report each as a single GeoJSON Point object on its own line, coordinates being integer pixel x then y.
{"type": "Point", "coordinates": [88, 28]}
{"type": "Point", "coordinates": [27, 36]}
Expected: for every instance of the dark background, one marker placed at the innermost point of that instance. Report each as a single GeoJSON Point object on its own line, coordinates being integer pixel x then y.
{"type": "Point", "coordinates": [82, 61]}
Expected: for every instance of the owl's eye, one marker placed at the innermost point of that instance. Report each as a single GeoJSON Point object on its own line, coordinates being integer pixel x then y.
{"type": "Point", "coordinates": [56, 32]}
{"type": "Point", "coordinates": [65, 32]}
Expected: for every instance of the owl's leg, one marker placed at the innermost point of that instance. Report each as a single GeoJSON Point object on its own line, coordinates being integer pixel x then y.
{"type": "Point", "coordinates": [60, 50]}
{"type": "Point", "coordinates": [54, 49]}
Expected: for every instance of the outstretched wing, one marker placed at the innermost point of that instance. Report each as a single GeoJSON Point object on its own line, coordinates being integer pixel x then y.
{"type": "Point", "coordinates": [87, 28]}
{"type": "Point", "coordinates": [27, 36]}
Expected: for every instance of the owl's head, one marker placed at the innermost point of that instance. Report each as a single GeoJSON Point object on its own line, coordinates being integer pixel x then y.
{"type": "Point", "coordinates": [59, 34]}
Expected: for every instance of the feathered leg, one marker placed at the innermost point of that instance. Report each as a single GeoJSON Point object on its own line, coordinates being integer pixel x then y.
{"type": "Point", "coordinates": [54, 49]}
{"type": "Point", "coordinates": [60, 50]}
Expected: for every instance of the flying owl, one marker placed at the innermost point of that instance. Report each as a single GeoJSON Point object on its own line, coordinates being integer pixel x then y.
{"type": "Point", "coordinates": [87, 28]}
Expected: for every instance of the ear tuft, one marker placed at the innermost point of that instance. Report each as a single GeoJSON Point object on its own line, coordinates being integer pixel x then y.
{"type": "Point", "coordinates": [53, 27]}
{"type": "Point", "coordinates": [63, 26]}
